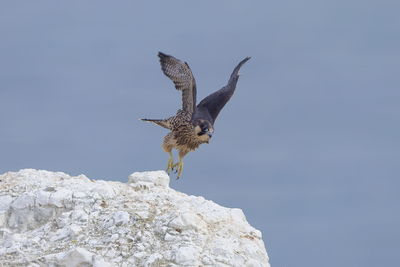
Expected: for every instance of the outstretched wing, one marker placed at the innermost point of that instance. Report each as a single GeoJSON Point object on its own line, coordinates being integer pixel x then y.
{"type": "Point", "coordinates": [180, 73]}
{"type": "Point", "coordinates": [210, 106]}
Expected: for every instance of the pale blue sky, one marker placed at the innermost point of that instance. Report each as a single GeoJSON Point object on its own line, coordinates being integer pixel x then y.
{"type": "Point", "coordinates": [307, 147]}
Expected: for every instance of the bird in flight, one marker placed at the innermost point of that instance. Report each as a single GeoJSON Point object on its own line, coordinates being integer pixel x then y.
{"type": "Point", "coordinates": [193, 124]}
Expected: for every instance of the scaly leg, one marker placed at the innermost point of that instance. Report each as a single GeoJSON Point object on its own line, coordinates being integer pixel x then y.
{"type": "Point", "coordinates": [179, 165]}
{"type": "Point", "coordinates": [179, 168]}
{"type": "Point", "coordinates": [170, 165]}
{"type": "Point", "coordinates": [167, 146]}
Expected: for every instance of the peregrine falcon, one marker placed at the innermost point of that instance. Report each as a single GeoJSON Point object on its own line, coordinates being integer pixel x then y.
{"type": "Point", "coordinates": [192, 125]}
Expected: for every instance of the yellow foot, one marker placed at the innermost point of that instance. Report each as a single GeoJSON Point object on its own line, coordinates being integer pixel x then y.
{"type": "Point", "coordinates": [170, 164]}
{"type": "Point", "coordinates": [179, 168]}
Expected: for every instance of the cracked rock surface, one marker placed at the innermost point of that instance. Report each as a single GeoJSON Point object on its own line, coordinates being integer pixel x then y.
{"type": "Point", "coordinates": [53, 219]}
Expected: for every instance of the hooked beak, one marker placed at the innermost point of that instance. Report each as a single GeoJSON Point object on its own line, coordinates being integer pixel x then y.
{"type": "Point", "coordinates": [209, 133]}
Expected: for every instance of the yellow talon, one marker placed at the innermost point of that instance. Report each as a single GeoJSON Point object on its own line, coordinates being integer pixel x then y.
{"type": "Point", "coordinates": [179, 167]}
{"type": "Point", "coordinates": [170, 165]}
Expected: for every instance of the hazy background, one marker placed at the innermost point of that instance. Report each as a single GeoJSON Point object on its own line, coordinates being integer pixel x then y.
{"type": "Point", "coordinates": [308, 146]}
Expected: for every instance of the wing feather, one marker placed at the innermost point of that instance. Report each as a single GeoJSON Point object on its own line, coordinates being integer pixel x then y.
{"type": "Point", "coordinates": [179, 72]}
{"type": "Point", "coordinates": [210, 106]}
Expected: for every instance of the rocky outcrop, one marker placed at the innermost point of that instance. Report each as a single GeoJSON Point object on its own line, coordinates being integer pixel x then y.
{"type": "Point", "coordinates": [53, 219]}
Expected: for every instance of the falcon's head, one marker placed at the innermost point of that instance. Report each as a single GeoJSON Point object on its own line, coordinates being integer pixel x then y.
{"type": "Point", "coordinates": [203, 129]}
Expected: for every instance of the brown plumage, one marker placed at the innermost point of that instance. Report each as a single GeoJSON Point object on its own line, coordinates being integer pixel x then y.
{"type": "Point", "coordinates": [192, 125]}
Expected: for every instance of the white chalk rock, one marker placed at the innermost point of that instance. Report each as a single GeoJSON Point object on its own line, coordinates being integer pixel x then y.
{"type": "Point", "coordinates": [53, 219]}
{"type": "Point", "coordinates": [76, 257]}
{"type": "Point", "coordinates": [159, 178]}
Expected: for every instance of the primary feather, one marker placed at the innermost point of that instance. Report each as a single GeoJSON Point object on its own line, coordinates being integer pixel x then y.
{"type": "Point", "coordinates": [211, 105]}
{"type": "Point", "coordinates": [179, 72]}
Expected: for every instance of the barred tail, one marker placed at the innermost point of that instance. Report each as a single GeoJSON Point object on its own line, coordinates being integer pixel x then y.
{"type": "Point", "coordinates": [162, 123]}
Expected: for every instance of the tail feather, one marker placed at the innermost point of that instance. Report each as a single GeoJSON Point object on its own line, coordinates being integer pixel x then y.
{"type": "Point", "coordinates": [162, 123]}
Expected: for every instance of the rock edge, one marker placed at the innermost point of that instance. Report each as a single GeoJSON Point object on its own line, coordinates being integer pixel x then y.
{"type": "Point", "coordinates": [53, 219]}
